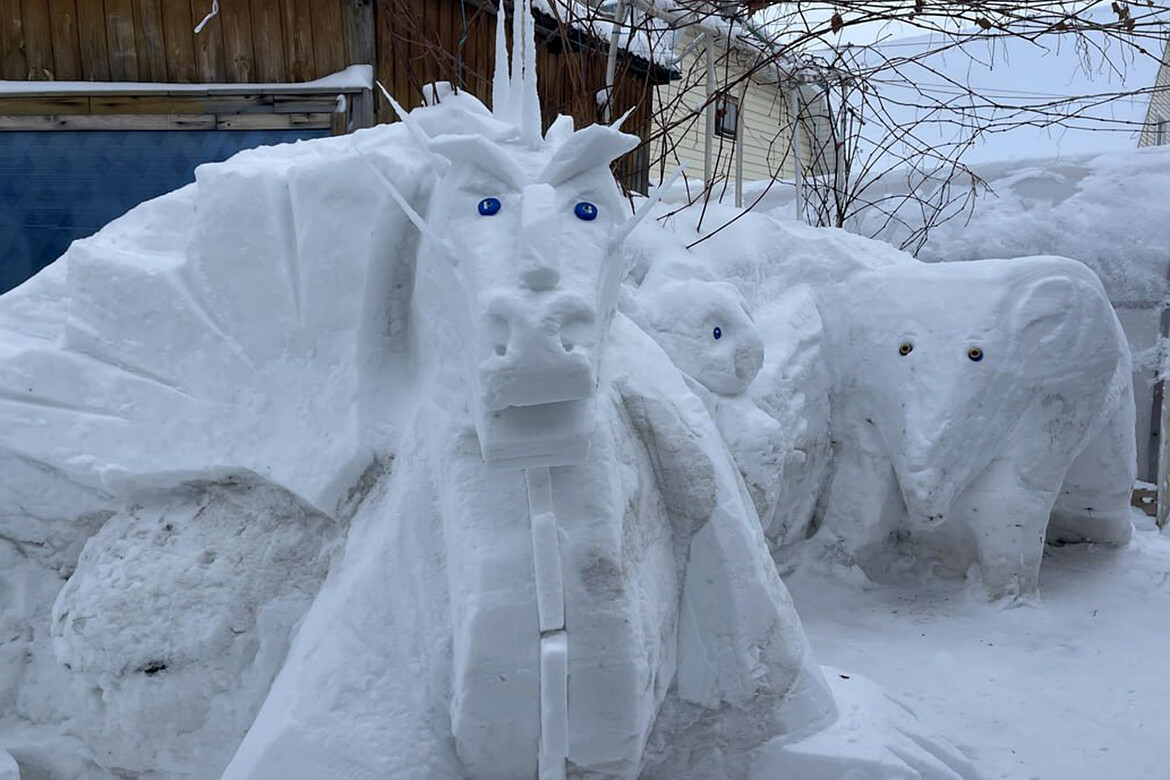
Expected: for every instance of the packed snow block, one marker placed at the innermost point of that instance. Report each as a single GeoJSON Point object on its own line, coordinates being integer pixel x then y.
{"type": "Point", "coordinates": [538, 436]}
{"type": "Point", "coordinates": [554, 697]}
{"type": "Point", "coordinates": [546, 554]}
{"type": "Point", "coordinates": [180, 613]}
{"type": "Point", "coordinates": [981, 391]}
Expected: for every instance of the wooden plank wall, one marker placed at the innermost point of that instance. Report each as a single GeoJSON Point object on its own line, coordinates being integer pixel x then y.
{"type": "Point", "coordinates": [422, 41]}
{"type": "Point", "coordinates": [410, 43]}
{"type": "Point", "coordinates": [154, 40]}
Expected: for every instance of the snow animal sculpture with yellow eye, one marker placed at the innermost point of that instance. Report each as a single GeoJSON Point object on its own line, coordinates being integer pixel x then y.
{"type": "Point", "coordinates": [969, 438]}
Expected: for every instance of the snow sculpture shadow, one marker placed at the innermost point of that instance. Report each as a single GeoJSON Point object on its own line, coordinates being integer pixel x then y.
{"type": "Point", "coordinates": [966, 429]}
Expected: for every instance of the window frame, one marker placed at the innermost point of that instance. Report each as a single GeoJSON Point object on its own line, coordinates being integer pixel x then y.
{"type": "Point", "coordinates": [722, 102]}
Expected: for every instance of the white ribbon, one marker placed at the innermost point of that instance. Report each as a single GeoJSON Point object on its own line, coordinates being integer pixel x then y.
{"type": "Point", "coordinates": [214, 10]}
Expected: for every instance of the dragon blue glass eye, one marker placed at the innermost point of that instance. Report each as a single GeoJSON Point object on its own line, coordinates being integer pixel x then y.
{"type": "Point", "coordinates": [489, 206]}
{"type": "Point", "coordinates": [975, 354]}
{"type": "Point", "coordinates": [586, 211]}
{"type": "Point", "coordinates": [717, 333]}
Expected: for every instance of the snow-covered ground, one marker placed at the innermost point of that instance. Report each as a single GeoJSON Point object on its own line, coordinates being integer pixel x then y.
{"type": "Point", "coordinates": [1076, 687]}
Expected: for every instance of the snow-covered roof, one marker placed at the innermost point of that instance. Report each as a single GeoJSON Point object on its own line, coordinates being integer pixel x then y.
{"type": "Point", "coordinates": [355, 77]}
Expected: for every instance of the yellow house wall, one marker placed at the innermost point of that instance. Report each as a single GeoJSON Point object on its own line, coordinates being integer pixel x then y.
{"type": "Point", "coordinates": [767, 133]}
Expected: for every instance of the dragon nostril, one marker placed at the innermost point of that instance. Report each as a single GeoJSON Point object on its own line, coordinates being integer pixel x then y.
{"type": "Point", "coordinates": [498, 334]}
{"type": "Point", "coordinates": [541, 277]}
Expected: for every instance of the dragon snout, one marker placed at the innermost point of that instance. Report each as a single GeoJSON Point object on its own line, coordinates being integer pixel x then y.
{"type": "Point", "coordinates": [537, 352]}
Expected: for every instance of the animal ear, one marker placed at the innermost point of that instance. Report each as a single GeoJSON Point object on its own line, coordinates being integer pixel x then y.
{"type": "Point", "coordinates": [1045, 312]}
{"type": "Point", "coordinates": [477, 150]}
{"type": "Point", "coordinates": [592, 147]}
{"type": "Point", "coordinates": [1051, 320]}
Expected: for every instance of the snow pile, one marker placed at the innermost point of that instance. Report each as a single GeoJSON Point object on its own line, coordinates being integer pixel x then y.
{"type": "Point", "coordinates": [1105, 210]}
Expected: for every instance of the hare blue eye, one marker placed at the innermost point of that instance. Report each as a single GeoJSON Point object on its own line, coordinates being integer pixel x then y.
{"type": "Point", "coordinates": [586, 211]}
{"type": "Point", "coordinates": [489, 206]}
{"type": "Point", "coordinates": [975, 354]}
{"type": "Point", "coordinates": [717, 333]}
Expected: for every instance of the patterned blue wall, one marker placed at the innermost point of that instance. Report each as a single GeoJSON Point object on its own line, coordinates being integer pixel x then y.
{"type": "Point", "coordinates": [62, 185]}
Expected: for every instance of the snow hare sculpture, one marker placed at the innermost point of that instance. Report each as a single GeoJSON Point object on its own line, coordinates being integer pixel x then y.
{"type": "Point", "coordinates": [990, 426]}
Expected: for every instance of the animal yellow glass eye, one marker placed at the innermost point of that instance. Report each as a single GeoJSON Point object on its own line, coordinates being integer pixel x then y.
{"type": "Point", "coordinates": [906, 348]}
{"type": "Point", "coordinates": [975, 354]}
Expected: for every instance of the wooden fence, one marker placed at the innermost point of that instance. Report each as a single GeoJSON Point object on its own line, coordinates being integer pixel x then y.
{"type": "Point", "coordinates": [155, 41]}
{"type": "Point", "coordinates": [409, 43]}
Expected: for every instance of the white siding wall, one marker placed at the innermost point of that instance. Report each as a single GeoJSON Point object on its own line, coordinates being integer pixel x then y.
{"type": "Point", "coordinates": [767, 130]}
{"type": "Point", "coordinates": [1159, 105]}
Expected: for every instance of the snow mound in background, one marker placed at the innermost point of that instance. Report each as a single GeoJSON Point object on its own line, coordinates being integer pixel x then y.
{"type": "Point", "coordinates": [1107, 210]}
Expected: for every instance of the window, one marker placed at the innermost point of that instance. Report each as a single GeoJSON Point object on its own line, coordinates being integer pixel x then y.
{"type": "Point", "coordinates": [1162, 132]}
{"type": "Point", "coordinates": [726, 116]}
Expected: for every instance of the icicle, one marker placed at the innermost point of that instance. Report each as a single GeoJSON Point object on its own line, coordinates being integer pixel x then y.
{"type": "Point", "coordinates": [214, 12]}
{"type": "Point", "coordinates": [516, 76]}
{"type": "Point", "coordinates": [501, 94]}
{"type": "Point", "coordinates": [416, 133]}
{"type": "Point", "coordinates": [621, 120]}
{"type": "Point", "coordinates": [530, 101]}
{"type": "Point", "coordinates": [419, 222]}
{"type": "Point", "coordinates": [623, 230]}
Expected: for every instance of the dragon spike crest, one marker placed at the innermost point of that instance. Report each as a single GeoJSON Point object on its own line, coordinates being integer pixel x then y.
{"type": "Point", "coordinates": [514, 96]}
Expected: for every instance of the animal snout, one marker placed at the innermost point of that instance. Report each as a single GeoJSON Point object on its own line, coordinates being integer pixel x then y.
{"type": "Point", "coordinates": [921, 488]}
{"type": "Point", "coordinates": [748, 361]}
{"type": "Point", "coordinates": [524, 328]}
{"type": "Point", "coordinates": [537, 352]}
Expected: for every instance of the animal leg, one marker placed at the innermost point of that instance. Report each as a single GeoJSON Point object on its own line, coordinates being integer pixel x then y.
{"type": "Point", "coordinates": [858, 509]}
{"type": "Point", "coordinates": [1093, 505]}
{"type": "Point", "coordinates": [1007, 522]}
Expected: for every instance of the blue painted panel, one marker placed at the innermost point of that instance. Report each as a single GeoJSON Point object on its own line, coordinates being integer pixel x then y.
{"type": "Point", "coordinates": [59, 186]}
